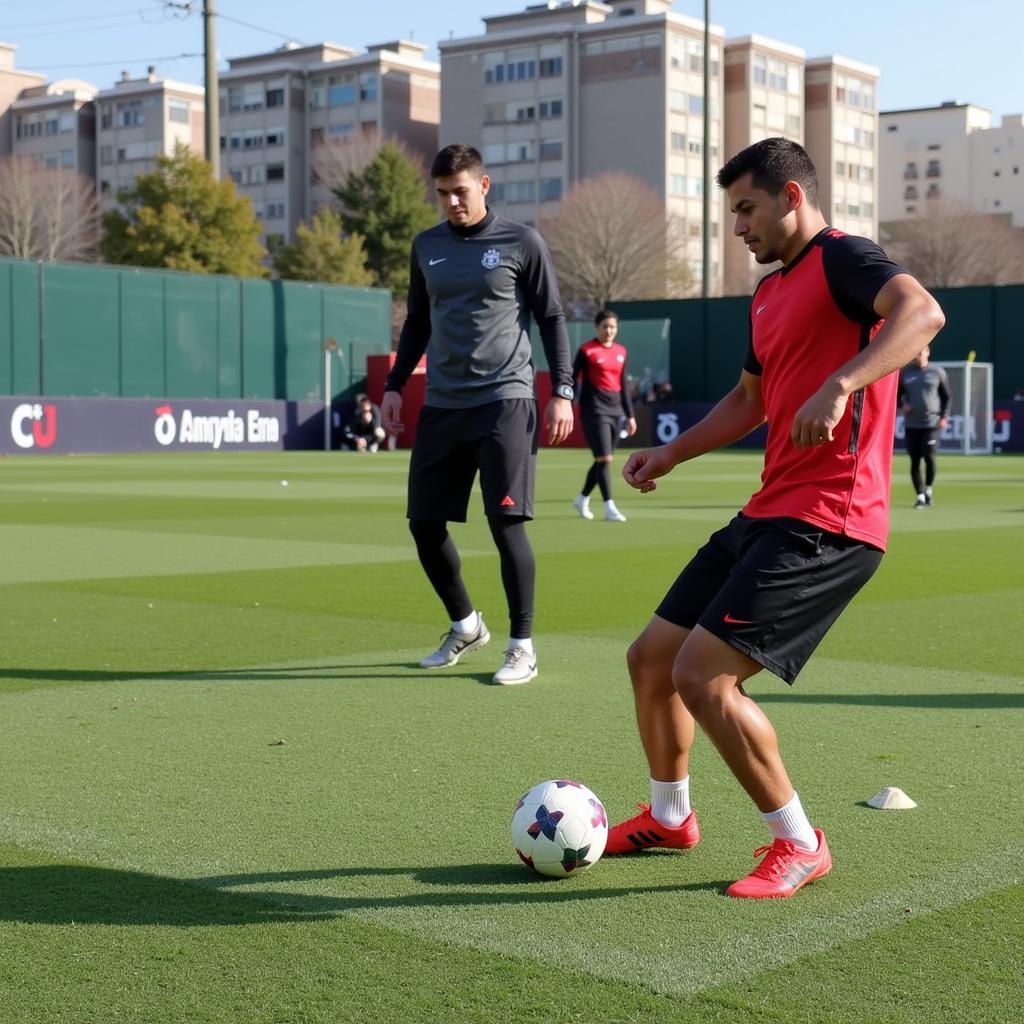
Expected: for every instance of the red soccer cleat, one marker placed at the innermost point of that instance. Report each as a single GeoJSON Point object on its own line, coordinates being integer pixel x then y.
{"type": "Point", "coordinates": [784, 870]}
{"type": "Point", "coordinates": [643, 831]}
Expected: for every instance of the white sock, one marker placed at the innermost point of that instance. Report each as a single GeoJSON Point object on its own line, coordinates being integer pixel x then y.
{"type": "Point", "coordinates": [469, 625]}
{"type": "Point", "coordinates": [928, 492]}
{"type": "Point", "coordinates": [527, 644]}
{"type": "Point", "coordinates": [791, 823]}
{"type": "Point", "coordinates": [610, 503]}
{"type": "Point", "coordinates": [670, 802]}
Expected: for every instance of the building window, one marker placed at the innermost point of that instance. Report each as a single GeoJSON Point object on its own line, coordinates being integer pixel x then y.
{"type": "Point", "coordinates": [496, 194]}
{"type": "Point", "coordinates": [550, 108]}
{"type": "Point", "coordinates": [550, 190]}
{"type": "Point", "coordinates": [275, 211]}
{"type": "Point", "coordinates": [934, 169]}
{"type": "Point", "coordinates": [910, 171]}
{"type": "Point", "coordinates": [551, 149]}
{"type": "Point", "coordinates": [494, 67]}
{"type": "Point", "coordinates": [520, 191]}
{"type": "Point", "coordinates": [341, 90]}
{"type": "Point", "coordinates": [275, 172]}
{"type": "Point", "coordinates": [178, 111]}
{"type": "Point", "coordinates": [67, 121]}
{"type": "Point", "coordinates": [316, 94]}
{"type": "Point", "coordinates": [368, 85]}
{"type": "Point", "coordinates": [106, 154]}
{"type": "Point", "coordinates": [934, 192]}
{"type": "Point", "coordinates": [275, 97]}
{"type": "Point", "coordinates": [677, 184]}
{"type": "Point", "coordinates": [104, 186]}
{"type": "Point", "coordinates": [129, 114]}
{"type": "Point", "coordinates": [275, 136]}
{"type": "Point", "coordinates": [551, 67]}
{"type": "Point", "coordinates": [678, 142]}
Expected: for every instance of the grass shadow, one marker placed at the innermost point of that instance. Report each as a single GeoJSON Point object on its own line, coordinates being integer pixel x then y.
{"type": "Point", "coordinates": [938, 701]}
{"type": "Point", "coordinates": [82, 894]}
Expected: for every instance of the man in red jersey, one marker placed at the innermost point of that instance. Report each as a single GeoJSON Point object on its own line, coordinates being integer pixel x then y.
{"type": "Point", "coordinates": [828, 331]}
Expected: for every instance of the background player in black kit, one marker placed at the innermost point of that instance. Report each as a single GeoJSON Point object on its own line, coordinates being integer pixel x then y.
{"type": "Point", "coordinates": [475, 282]}
{"type": "Point", "coordinates": [604, 400]}
{"type": "Point", "coordinates": [924, 401]}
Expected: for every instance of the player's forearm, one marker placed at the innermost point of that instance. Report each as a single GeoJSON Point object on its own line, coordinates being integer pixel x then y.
{"type": "Point", "coordinates": [909, 327]}
{"type": "Point", "coordinates": [735, 416]}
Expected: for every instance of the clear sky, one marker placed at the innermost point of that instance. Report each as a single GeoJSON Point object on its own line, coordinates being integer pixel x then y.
{"type": "Point", "coordinates": [927, 50]}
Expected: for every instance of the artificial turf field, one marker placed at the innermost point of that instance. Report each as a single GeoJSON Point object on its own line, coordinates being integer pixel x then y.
{"type": "Point", "coordinates": [228, 794]}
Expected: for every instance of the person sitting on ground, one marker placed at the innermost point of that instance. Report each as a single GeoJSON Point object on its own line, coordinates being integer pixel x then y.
{"type": "Point", "coordinates": [363, 432]}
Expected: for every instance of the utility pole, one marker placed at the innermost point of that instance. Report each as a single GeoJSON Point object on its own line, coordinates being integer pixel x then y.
{"type": "Point", "coordinates": [212, 119]}
{"type": "Point", "coordinates": [706, 254]}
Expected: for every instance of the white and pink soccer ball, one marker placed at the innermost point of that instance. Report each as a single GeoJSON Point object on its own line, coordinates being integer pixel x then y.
{"type": "Point", "coordinates": [559, 828]}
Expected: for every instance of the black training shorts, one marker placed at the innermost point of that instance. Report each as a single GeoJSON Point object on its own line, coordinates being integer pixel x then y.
{"type": "Point", "coordinates": [771, 588]}
{"type": "Point", "coordinates": [498, 439]}
{"type": "Point", "coordinates": [922, 441]}
{"type": "Point", "coordinates": [601, 432]}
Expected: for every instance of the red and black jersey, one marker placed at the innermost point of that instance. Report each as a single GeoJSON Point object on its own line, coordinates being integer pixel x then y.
{"type": "Point", "coordinates": [602, 369]}
{"type": "Point", "coordinates": [806, 321]}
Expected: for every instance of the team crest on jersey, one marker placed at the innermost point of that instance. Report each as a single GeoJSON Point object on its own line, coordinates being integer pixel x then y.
{"type": "Point", "coordinates": [491, 259]}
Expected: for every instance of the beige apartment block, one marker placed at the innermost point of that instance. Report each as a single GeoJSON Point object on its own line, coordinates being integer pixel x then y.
{"type": "Point", "coordinates": [951, 152]}
{"type": "Point", "coordinates": [13, 82]}
{"type": "Point", "coordinates": [565, 91]}
{"type": "Point", "coordinates": [278, 109]}
{"type": "Point", "coordinates": [390, 92]}
{"type": "Point", "coordinates": [141, 119]}
{"type": "Point", "coordinates": [764, 97]}
{"type": "Point", "coordinates": [56, 125]}
{"type": "Point", "coordinates": [841, 133]}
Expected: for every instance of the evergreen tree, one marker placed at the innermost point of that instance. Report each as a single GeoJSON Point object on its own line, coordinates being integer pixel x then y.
{"type": "Point", "coordinates": [386, 204]}
{"type": "Point", "coordinates": [320, 253]}
{"type": "Point", "coordinates": [177, 216]}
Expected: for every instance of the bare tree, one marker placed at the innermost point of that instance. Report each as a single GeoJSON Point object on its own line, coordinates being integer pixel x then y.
{"type": "Point", "coordinates": [949, 245]}
{"type": "Point", "coordinates": [46, 213]}
{"type": "Point", "coordinates": [613, 239]}
{"type": "Point", "coordinates": [336, 160]}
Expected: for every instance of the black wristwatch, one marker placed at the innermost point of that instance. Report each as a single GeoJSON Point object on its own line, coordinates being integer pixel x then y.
{"type": "Point", "coordinates": [566, 392]}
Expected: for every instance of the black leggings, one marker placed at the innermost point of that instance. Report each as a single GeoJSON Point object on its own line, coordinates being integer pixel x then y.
{"type": "Point", "coordinates": [922, 444]}
{"type": "Point", "coordinates": [440, 560]}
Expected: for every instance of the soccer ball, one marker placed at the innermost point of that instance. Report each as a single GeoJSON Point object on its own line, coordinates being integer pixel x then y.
{"type": "Point", "coordinates": [559, 828]}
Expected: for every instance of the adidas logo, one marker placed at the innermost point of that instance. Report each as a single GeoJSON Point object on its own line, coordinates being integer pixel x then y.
{"type": "Point", "coordinates": [507, 502]}
{"type": "Point", "coordinates": [642, 839]}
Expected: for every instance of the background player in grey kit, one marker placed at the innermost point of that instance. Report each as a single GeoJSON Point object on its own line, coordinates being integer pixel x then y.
{"type": "Point", "coordinates": [475, 281]}
{"type": "Point", "coordinates": [924, 400]}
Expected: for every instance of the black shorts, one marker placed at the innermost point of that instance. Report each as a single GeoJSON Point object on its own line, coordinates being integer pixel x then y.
{"type": "Point", "coordinates": [771, 588]}
{"type": "Point", "coordinates": [499, 439]}
{"type": "Point", "coordinates": [921, 441]}
{"type": "Point", "coordinates": [601, 432]}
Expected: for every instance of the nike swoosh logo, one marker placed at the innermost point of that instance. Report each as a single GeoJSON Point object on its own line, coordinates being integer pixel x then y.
{"type": "Point", "coordinates": [759, 308]}
{"type": "Point", "coordinates": [434, 263]}
{"type": "Point", "coordinates": [737, 622]}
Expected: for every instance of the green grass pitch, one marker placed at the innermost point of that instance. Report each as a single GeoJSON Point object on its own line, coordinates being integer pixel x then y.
{"type": "Point", "coordinates": [228, 794]}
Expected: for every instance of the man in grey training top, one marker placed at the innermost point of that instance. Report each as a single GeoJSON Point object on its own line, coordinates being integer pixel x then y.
{"type": "Point", "coordinates": [475, 281]}
{"type": "Point", "coordinates": [924, 400]}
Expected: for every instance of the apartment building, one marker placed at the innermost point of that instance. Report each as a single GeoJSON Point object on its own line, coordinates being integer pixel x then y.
{"type": "Point", "coordinates": [278, 109]}
{"type": "Point", "coordinates": [13, 82]}
{"type": "Point", "coordinates": [565, 91]}
{"type": "Point", "coordinates": [56, 125]}
{"type": "Point", "coordinates": [139, 120]}
{"type": "Point", "coordinates": [841, 133]}
{"type": "Point", "coordinates": [764, 97]}
{"type": "Point", "coordinates": [950, 152]}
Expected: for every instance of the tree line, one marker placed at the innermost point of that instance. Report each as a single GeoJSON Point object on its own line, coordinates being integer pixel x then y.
{"type": "Point", "coordinates": [611, 237]}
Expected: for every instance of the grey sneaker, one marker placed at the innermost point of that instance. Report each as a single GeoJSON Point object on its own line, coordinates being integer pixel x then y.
{"type": "Point", "coordinates": [519, 667]}
{"type": "Point", "coordinates": [454, 646]}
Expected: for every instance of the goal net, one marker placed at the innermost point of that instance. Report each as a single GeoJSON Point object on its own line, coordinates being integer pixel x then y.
{"type": "Point", "coordinates": [969, 430]}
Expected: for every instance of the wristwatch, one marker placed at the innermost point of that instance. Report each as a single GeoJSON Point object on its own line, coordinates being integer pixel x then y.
{"type": "Point", "coordinates": [566, 392]}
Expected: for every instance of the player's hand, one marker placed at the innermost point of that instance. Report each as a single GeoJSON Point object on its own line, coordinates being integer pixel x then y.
{"type": "Point", "coordinates": [643, 467]}
{"type": "Point", "coordinates": [558, 419]}
{"type": "Point", "coordinates": [630, 427]}
{"type": "Point", "coordinates": [391, 413]}
{"type": "Point", "coordinates": [817, 417]}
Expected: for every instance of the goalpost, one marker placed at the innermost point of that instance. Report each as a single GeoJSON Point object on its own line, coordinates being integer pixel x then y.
{"type": "Point", "coordinates": [969, 431]}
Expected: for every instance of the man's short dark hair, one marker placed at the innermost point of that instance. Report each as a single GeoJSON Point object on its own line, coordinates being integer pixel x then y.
{"type": "Point", "coordinates": [605, 314]}
{"type": "Point", "coordinates": [456, 158]}
{"type": "Point", "coordinates": [771, 163]}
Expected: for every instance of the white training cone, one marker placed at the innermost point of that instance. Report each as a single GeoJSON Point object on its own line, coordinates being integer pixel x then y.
{"type": "Point", "coordinates": [891, 799]}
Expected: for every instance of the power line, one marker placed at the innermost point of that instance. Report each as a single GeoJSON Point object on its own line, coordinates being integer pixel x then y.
{"type": "Point", "coordinates": [109, 63]}
{"type": "Point", "coordinates": [257, 28]}
{"type": "Point", "coordinates": [50, 22]}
